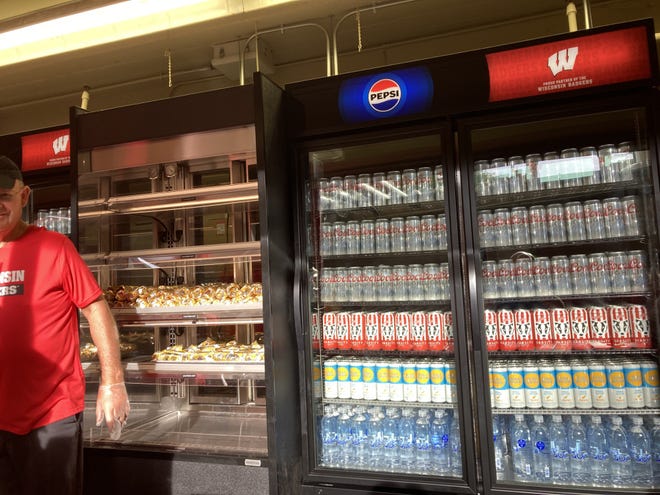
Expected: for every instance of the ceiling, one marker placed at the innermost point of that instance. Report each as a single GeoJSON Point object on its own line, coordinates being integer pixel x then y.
{"type": "Point", "coordinates": [391, 31]}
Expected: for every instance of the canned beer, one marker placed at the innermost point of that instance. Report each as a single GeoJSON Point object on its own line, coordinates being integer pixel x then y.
{"type": "Point", "coordinates": [395, 375]}
{"type": "Point", "coordinates": [356, 331]}
{"type": "Point", "coordinates": [580, 336]}
{"type": "Point", "coordinates": [482, 178]}
{"type": "Point", "coordinates": [636, 270]}
{"type": "Point", "coordinates": [489, 279]}
{"type": "Point", "coordinates": [616, 266]}
{"type": "Point", "coordinates": [548, 382]}
{"type": "Point", "coordinates": [548, 171]}
{"type": "Point", "coordinates": [438, 381]}
{"type": "Point", "coordinates": [565, 386]}
{"type": "Point", "coordinates": [556, 223]}
{"type": "Point", "coordinates": [355, 374]}
{"type": "Point", "coordinates": [413, 234]}
{"type": "Point", "coordinates": [327, 235]}
{"type": "Point", "coordinates": [639, 325]}
{"type": "Point", "coordinates": [490, 330]}
{"type": "Point", "coordinates": [538, 229]}
{"type": "Point", "coordinates": [619, 327]}
{"type": "Point", "coordinates": [432, 282]}
{"type": "Point", "coordinates": [531, 379]}
{"type": "Point", "coordinates": [502, 227]}
{"type": "Point", "coordinates": [599, 329]}
{"type": "Point", "coordinates": [324, 194]}
{"type": "Point", "coordinates": [524, 333]}
{"type": "Point", "coordinates": [524, 280]}
{"type": "Point", "coordinates": [336, 190]}
{"type": "Point", "coordinates": [519, 226]}
{"type": "Point", "coordinates": [609, 169]}
{"type": "Point", "coordinates": [418, 331]}
{"type": "Point", "coordinates": [409, 186]}
{"type": "Point", "coordinates": [402, 324]}
{"type": "Point", "coordinates": [368, 282]}
{"type": "Point", "coordinates": [381, 192]}
{"type": "Point", "coordinates": [634, 385]}
{"type": "Point", "coordinates": [369, 380]}
{"type": "Point", "coordinates": [613, 216]}
{"type": "Point", "coordinates": [616, 383]}
{"type": "Point", "coordinates": [543, 336]}
{"type": "Point", "coordinates": [425, 184]}
{"type": "Point", "coordinates": [561, 279]}
{"type": "Point", "coordinates": [354, 284]}
{"type": "Point", "coordinates": [542, 275]}
{"type": "Point", "coordinates": [505, 282]}
{"type": "Point", "coordinates": [439, 183]}
{"type": "Point", "coordinates": [409, 380]}
{"type": "Point", "coordinates": [599, 274]}
{"type": "Point", "coordinates": [382, 235]}
{"type": "Point", "coordinates": [365, 196]}
{"type": "Point", "coordinates": [574, 218]}
{"type": "Point", "coordinates": [506, 329]}
{"type": "Point", "coordinates": [414, 276]}
{"type": "Point", "coordinates": [561, 328]}
{"type": "Point", "coordinates": [330, 384]}
{"type": "Point", "coordinates": [532, 160]}
{"type": "Point", "coordinates": [387, 330]}
{"type": "Point", "coordinates": [329, 330]}
{"type": "Point", "coordinates": [448, 329]}
{"type": "Point", "coordinates": [486, 233]}
{"type": "Point", "coordinates": [651, 380]}
{"type": "Point", "coordinates": [435, 330]}
{"type": "Point", "coordinates": [569, 180]}
{"type": "Point", "coordinates": [500, 177]}
{"type": "Point", "coordinates": [598, 381]}
{"type": "Point", "coordinates": [398, 235]}
{"type": "Point", "coordinates": [594, 219]}
{"type": "Point", "coordinates": [441, 231]}
{"type": "Point", "coordinates": [399, 284]}
{"type": "Point", "coordinates": [382, 379]}
{"type": "Point", "coordinates": [315, 330]}
{"type": "Point", "coordinates": [429, 237]}
{"type": "Point", "coordinates": [516, 385]}
{"type": "Point", "coordinates": [372, 331]}
{"type": "Point", "coordinates": [579, 274]}
{"type": "Point", "coordinates": [626, 159]}
{"type": "Point", "coordinates": [582, 389]}
{"type": "Point", "coordinates": [367, 237]}
{"type": "Point", "coordinates": [500, 381]}
{"type": "Point", "coordinates": [350, 192]}
{"type": "Point", "coordinates": [342, 330]}
{"type": "Point", "coordinates": [423, 380]}
{"type": "Point", "coordinates": [395, 187]}
{"type": "Point", "coordinates": [594, 177]}
{"type": "Point", "coordinates": [631, 217]}
{"type": "Point", "coordinates": [384, 283]}
{"type": "Point", "coordinates": [343, 379]}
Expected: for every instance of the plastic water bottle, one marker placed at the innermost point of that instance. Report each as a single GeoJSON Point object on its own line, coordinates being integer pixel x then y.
{"type": "Point", "coordinates": [360, 438]}
{"type": "Point", "coordinates": [599, 452]}
{"type": "Point", "coordinates": [521, 443]}
{"type": "Point", "coordinates": [620, 460]}
{"type": "Point", "coordinates": [423, 442]}
{"type": "Point", "coordinates": [640, 451]}
{"type": "Point", "coordinates": [406, 441]}
{"type": "Point", "coordinates": [344, 438]}
{"type": "Point", "coordinates": [376, 440]}
{"type": "Point", "coordinates": [391, 439]}
{"type": "Point", "coordinates": [502, 457]}
{"type": "Point", "coordinates": [655, 448]}
{"type": "Point", "coordinates": [440, 455]}
{"type": "Point", "coordinates": [579, 449]}
{"type": "Point", "coordinates": [456, 457]}
{"type": "Point", "coordinates": [561, 468]}
{"type": "Point", "coordinates": [542, 452]}
{"type": "Point", "coordinates": [329, 450]}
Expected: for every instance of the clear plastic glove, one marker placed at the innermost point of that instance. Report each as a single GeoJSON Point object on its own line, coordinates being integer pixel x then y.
{"type": "Point", "coordinates": [113, 406]}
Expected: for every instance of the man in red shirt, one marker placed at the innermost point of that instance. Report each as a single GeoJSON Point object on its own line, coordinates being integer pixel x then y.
{"type": "Point", "coordinates": [43, 282]}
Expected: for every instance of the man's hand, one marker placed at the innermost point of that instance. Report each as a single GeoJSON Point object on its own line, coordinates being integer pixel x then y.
{"type": "Point", "coordinates": [113, 406]}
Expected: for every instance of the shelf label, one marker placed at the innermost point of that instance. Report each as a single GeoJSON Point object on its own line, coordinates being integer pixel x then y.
{"type": "Point", "coordinates": [252, 462]}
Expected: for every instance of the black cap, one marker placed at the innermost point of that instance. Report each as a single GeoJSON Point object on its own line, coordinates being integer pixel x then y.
{"type": "Point", "coordinates": [9, 172]}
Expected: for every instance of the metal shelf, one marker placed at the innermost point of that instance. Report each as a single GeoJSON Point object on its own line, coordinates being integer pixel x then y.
{"type": "Point", "coordinates": [217, 314]}
{"type": "Point", "coordinates": [386, 211]}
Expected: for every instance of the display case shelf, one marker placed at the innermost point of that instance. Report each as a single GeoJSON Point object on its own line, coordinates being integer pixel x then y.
{"type": "Point", "coordinates": [391, 403]}
{"type": "Point", "coordinates": [404, 258]}
{"type": "Point", "coordinates": [578, 411]}
{"type": "Point", "coordinates": [216, 314]}
{"type": "Point", "coordinates": [386, 211]}
{"type": "Point", "coordinates": [377, 354]}
{"type": "Point", "coordinates": [554, 299]}
{"type": "Point", "coordinates": [427, 305]}
{"type": "Point", "coordinates": [565, 248]}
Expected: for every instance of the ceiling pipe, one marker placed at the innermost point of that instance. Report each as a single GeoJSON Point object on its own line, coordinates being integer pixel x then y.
{"type": "Point", "coordinates": [282, 29]}
{"type": "Point", "coordinates": [587, 14]}
{"type": "Point", "coordinates": [84, 98]}
{"type": "Point", "coordinates": [571, 13]}
{"type": "Point", "coordinates": [352, 13]}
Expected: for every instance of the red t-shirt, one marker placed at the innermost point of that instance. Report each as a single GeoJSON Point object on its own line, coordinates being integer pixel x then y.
{"type": "Point", "coordinates": [43, 281]}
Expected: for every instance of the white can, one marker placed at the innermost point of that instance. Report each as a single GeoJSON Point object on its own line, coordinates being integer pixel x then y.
{"type": "Point", "coordinates": [548, 381]}
{"type": "Point", "coordinates": [582, 389]}
{"type": "Point", "coordinates": [409, 381]}
{"type": "Point", "coordinates": [616, 384]}
{"type": "Point", "coordinates": [516, 385]}
{"type": "Point", "coordinates": [438, 381]}
{"type": "Point", "coordinates": [343, 379]}
{"type": "Point", "coordinates": [634, 384]}
{"type": "Point", "coordinates": [423, 372]}
{"type": "Point", "coordinates": [564, 385]}
{"type": "Point", "coordinates": [383, 380]}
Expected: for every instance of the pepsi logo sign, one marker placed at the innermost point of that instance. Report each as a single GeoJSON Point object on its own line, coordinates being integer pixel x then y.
{"type": "Point", "coordinates": [384, 95]}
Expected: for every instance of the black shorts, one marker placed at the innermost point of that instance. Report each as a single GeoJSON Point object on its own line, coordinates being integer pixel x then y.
{"type": "Point", "coordinates": [46, 460]}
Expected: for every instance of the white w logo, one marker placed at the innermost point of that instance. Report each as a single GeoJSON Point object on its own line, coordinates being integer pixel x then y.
{"type": "Point", "coordinates": [562, 60]}
{"type": "Point", "coordinates": [60, 143]}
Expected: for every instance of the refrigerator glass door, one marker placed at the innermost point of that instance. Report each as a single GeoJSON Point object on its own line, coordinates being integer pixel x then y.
{"type": "Point", "coordinates": [384, 390]}
{"type": "Point", "coordinates": [567, 236]}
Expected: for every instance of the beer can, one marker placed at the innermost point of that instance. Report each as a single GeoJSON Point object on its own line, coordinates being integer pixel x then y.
{"type": "Point", "coordinates": [315, 329]}
{"type": "Point", "coordinates": [328, 284]}
{"type": "Point", "coordinates": [518, 177]}
{"type": "Point", "coordinates": [548, 382]}
{"type": "Point", "coordinates": [482, 178]}
{"type": "Point", "coordinates": [556, 223]}
{"type": "Point", "coordinates": [330, 384]}
{"type": "Point", "coordinates": [548, 171]}
{"type": "Point", "coordinates": [626, 159]}
{"type": "Point", "coordinates": [425, 187]}
{"type": "Point", "coordinates": [350, 192]}
{"type": "Point", "coordinates": [381, 193]}
{"type": "Point", "coordinates": [372, 331]}
{"type": "Point", "coordinates": [561, 328]}
{"type": "Point", "coordinates": [490, 330]}
{"type": "Point", "coordinates": [639, 326]}
{"type": "Point", "coordinates": [383, 379]}
{"type": "Point", "coordinates": [609, 169]}
{"type": "Point", "coordinates": [384, 283]}
{"type": "Point", "coordinates": [524, 280]}
{"type": "Point", "coordinates": [636, 269]}
{"type": "Point", "coordinates": [399, 284]}
{"type": "Point", "coordinates": [599, 276]}
{"type": "Point", "coordinates": [324, 194]}
{"type": "Point", "coordinates": [369, 380]}
{"type": "Point", "coordinates": [353, 237]}
{"type": "Point", "coordinates": [561, 278]}
{"type": "Point", "coordinates": [538, 226]}
{"type": "Point", "coordinates": [355, 374]}
{"type": "Point", "coordinates": [531, 378]}
{"type": "Point", "coordinates": [580, 335]}
{"type": "Point", "coordinates": [429, 237]}
{"type": "Point", "coordinates": [506, 329]}
{"type": "Point", "coordinates": [340, 287]}
{"type": "Point", "coordinates": [516, 384]}
{"type": "Point", "coordinates": [329, 330]}
{"type": "Point", "coordinates": [616, 384]}
{"type": "Point", "coordinates": [327, 244]}
{"type": "Point", "coordinates": [409, 186]}
{"type": "Point", "coordinates": [343, 378]}
{"type": "Point", "coordinates": [631, 216]}
{"type": "Point", "coordinates": [413, 234]}
{"type": "Point", "coordinates": [337, 197]}
{"type": "Point", "coordinates": [387, 331]}
{"type": "Point", "coordinates": [451, 381]}
{"type": "Point", "coordinates": [443, 281]}
{"type": "Point", "coordinates": [598, 382]}
{"type": "Point", "coordinates": [594, 219]}
{"type": "Point", "coordinates": [402, 323]}
{"type": "Point", "coordinates": [356, 331]}
{"type": "Point", "coordinates": [564, 375]}
{"type": "Point", "coordinates": [616, 268]}
{"type": "Point", "coordinates": [543, 336]}
{"type": "Point", "coordinates": [435, 330]}
{"type": "Point", "coordinates": [439, 183]}
{"type": "Point", "coordinates": [599, 328]}
{"type": "Point", "coordinates": [500, 178]}
{"type": "Point", "coordinates": [395, 187]}
{"type": "Point", "coordinates": [502, 227]}
{"type": "Point", "coordinates": [581, 384]}
{"type": "Point", "coordinates": [367, 237]}
{"type": "Point", "coordinates": [532, 160]}
{"type": "Point", "coordinates": [339, 238]}
{"type": "Point", "coordinates": [423, 380]}
{"type": "Point", "coordinates": [485, 222]}
{"type": "Point", "coordinates": [418, 331]}
{"type": "Point", "coordinates": [395, 374]}
{"type": "Point", "coordinates": [397, 235]}
{"type": "Point", "coordinates": [414, 280]}
{"type": "Point", "coordinates": [613, 218]}
{"type": "Point", "coordinates": [519, 226]}
{"type": "Point", "coordinates": [342, 332]}
{"type": "Point", "coordinates": [506, 286]}
{"type": "Point", "coordinates": [542, 276]}
{"type": "Point", "coordinates": [595, 177]}
{"type": "Point", "coordinates": [365, 195]}
{"type": "Point", "coordinates": [353, 283]}
{"type": "Point", "coordinates": [651, 381]}
{"type": "Point", "coordinates": [438, 381]}
{"type": "Point", "coordinates": [634, 384]}
{"type": "Point", "coordinates": [500, 382]}
{"type": "Point", "coordinates": [432, 282]}
{"type": "Point", "coordinates": [619, 327]}
{"type": "Point", "coordinates": [441, 231]}
{"type": "Point", "coordinates": [524, 332]}
{"type": "Point", "coordinates": [568, 180]}
{"type": "Point", "coordinates": [448, 329]}
{"type": "Point", "coordinates": [579, 273]}
{"type": "Point", "coordinates": [369, 283]}
{"type": "Point", "coordinates": [489, 279]}
{"type": "Point", "coordinates": [382, 235]}
{"type": "Point", "coordinates": [574, 219]}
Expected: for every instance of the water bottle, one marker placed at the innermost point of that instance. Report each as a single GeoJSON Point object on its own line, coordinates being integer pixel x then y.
{"type": "Point", "coordinates": [423, 442]}
{"type": "Point", "coordinates": [344, 438]}
{"type": "Point", "coordinates": [640, 452]}
{"type": "Point", "coordinates": [376, 454]}
{"type": "Point", "coordinates": [599, 452]}
{"type": "Point", "coordinates": [329, 451]}
{"type": "Point", "coordinates": [655, 448]}
{"type": "Point", "coordinates": [561, 470]}
{"type": "Point", "coordinates": [360, 438]}
{"type": "Point", "coordinates": [406, 441]}
{"type": "Point", "coordinates": [440, 455]}
{"type": "Point", "coordinates": [391, 439]}
{"type": "Point", "coordinates": [521, 444]}
{"type": "Point", "coordinates": [542, 451]}
{"type": "Point", "coordinates": [501, 451]}
{"type": "Point", "coordinates": [455, 456]}
{"type": "Point", "coordinates": [577, 446]}
{"type": "Point", "coordinates": [620, 460]}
